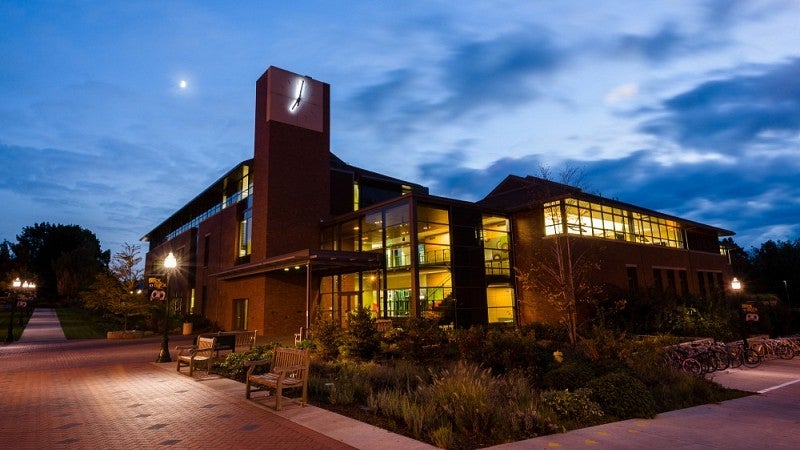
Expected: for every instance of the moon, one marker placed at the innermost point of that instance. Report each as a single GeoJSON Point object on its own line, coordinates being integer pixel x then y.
{"type": "Point", "coordinates": [182, 84]}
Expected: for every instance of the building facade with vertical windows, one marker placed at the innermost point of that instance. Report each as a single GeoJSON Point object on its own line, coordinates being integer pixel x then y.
{"type": "Point", "coordinates": [295, 235]}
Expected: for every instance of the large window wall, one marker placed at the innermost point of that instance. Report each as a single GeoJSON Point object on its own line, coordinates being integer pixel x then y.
{"type": "Point", "coordinates": [417, 277]}
{"type": "Point", "coordinates": [398, 236]}
{"type": "Point", "coordinates": [496, 254]}
{"type": "Point", "coordinates": [572, 216]}
{"type": "Point", "coordinates": [433, 248]}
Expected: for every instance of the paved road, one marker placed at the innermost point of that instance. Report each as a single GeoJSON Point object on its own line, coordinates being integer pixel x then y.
{"type": "Point", "coordinates": [109, 394]}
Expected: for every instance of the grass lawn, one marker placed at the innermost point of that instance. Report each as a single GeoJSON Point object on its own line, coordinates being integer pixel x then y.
{"type": "Point", "coordinates": [5, 314]}
{"type": "Point", "coordinates": [78, 324]}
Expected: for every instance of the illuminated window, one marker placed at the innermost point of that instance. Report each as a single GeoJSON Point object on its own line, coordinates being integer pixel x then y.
{"type": "Point", "coordinates": [356, 195]}
{"type": "Point", "coordinates": [246, 233]}
{"type": "Point", "coordinates": [398, 237]}
{"type": "Point", "coordinates": [496, 254]}
{"type": "Point", "coordinates": [433, 235]}
{"type": "Point", "coordinates": [372, 232]}
{"type": "Point", "coordinates": [553, 221]}
{"type": "Point", "coordinates": [435, 285]}
{"type": "Point", "coordinates": [585, 218]}
{"type": "Point", "coordinates": [500, 302]}
{"type": "Point", "coordinates": [398, 294]}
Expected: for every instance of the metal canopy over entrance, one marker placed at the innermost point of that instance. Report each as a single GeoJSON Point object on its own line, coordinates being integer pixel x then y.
{"type": "Point", "coordinates": [321, 262]}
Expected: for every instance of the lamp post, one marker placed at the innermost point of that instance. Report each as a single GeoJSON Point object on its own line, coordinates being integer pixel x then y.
{"type": "Point", "coordinates": [17, 287]}
{"type": "Point", "coordinates": [786, 288]}
{"type": "Point", "coordinates": [170, 263]}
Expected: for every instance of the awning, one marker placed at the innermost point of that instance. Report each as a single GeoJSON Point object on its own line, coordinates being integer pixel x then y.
{"type": "Point", "coordinates": [325, 261]}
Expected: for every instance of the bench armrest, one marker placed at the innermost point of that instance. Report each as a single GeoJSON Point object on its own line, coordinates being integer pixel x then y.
{"type": "Point", "coordinates": [185, 349]}
{"type": "Point", "coordinates": [251, 365]}
{"type": "Point", "coordinates": [283, 369]}
{"type": "Point", "coordinates": [259, 362]}
{"type": "Point", "coordinates": [201, 351]}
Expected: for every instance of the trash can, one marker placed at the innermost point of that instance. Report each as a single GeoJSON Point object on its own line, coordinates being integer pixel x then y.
{"type": "Point", "coordinates": [187, 328]}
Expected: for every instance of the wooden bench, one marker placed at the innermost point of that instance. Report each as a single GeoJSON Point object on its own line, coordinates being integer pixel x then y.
{"type": "Point", "coordinates": [232, 341]}
{"type": "Point", "coordinates": [288, 370]}
{"type": "Point", "coordinates": [196, 355]}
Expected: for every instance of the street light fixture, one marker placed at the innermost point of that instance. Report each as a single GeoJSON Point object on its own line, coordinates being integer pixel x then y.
{"type": "Point", "coordinates": [18, 286]}
{"type": "Point", "coordinates": [786, 287]}
{"type": "Point", "coordinates": [736, 285]}
{"type": "Point", "coordinates": [170, 263]}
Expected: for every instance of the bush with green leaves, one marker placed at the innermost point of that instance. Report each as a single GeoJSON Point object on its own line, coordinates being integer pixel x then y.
{"type": "Point", "coordinates": [352, 382]}
{"type": "Point", "coordinates": [326, 339]}
{"type": "Point", "coordinates": [504, 350]}
{"type": "Point", "coordinates": [422, 340]}
{"type": "Point", "coordinates": [622, 396]}
{"type": "Point", "coordinates": [571, 375]}
{"type": "Point", "coordinates": [574, 409]}
{"type": "Point", "coordinates": [234, 365]}
{"type": "Point", "coordinates": [361, 341]}
{"type": "Point", "coordinates": [467, 407]}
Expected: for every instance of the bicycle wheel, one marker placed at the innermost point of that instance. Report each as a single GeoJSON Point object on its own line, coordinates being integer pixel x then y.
{"type": "Point", "coordinates": [735, 357]}
{"type": "Point", "coordinates": [784, 351]}
{"type": "Point", "coordinates": [721, 359]}
{"type": "Point", "coordinates": [692, 366]}
{"type": "Point", "coordinates": [751, 358]}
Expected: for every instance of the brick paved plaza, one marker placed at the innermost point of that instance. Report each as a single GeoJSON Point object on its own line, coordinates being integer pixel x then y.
{"type": "Point", "coordinates": [110, 394]}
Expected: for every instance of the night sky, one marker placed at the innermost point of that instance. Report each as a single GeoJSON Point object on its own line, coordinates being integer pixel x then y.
{"type": "Point", "coordinates": [688, 107]}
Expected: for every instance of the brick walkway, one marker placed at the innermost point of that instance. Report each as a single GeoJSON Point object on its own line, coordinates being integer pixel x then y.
{"type": "Point", "coordinates": [109, 394]}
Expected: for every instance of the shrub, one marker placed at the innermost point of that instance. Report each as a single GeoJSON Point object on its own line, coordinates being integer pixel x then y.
{"type": "Point", "coordinates": [547, 331]}
{"type": "Point", "coordinates": [466, 407]}
{"type": "Point", "coordinates": [505, 350]}
{"type": "Point", "coordinates": [360, 341]}
{"type": "Point", "coordinates": [570, 375]}
{"type": "Point", "coordinates": [573, 409]}
{"type": "Point", "coordinates": [602, 344]}
{"type": "Point", "coordinates": [234, 367]}
{"type": "Point", "coordinates": [622, 396]}
{"type": "Point", "coordinates": [422, 340]}
{"type": "Point", "coordinates": [327, 339]}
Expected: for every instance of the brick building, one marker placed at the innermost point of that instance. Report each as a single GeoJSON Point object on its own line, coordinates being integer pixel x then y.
{"type": "Point", "coordinates": [295, 234]}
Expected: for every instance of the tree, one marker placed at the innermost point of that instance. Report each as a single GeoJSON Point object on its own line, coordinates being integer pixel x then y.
{"type": "Point", "coordinates": [561, 276]}
{"type": "Point", "coordinates": [776, 270]}
{"type": "Point", "coordinates": [739, 259]}
{"type": "Point", "coordinates": [559, 272]}
{"type": "Point", "coordinates": [117, 290]}
{"type": "Point", "coordinates": [64, 258]}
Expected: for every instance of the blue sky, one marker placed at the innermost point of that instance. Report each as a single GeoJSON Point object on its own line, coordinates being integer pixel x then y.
{"type": "Point", "coordinates": [687, 107]}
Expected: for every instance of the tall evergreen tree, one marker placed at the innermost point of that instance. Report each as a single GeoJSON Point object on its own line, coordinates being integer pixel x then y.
{"type": "Point", "coordinates": [63, 258]}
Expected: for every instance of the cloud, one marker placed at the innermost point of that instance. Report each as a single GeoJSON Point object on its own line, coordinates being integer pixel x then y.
{"type": "Point", "coordinates": [750, 106]}
{"type": "Point", "coordinates": [498, 72]}
{"type": "Point", "coordinates": [446, 175]}
{"type": "Point", "coordinates": [740, 197]}
{"type": "Point", "coordinates": [621, 93]}
{"type": "Point", "coordinates": [472, 79]}
{"type": "Point", "coordinates": [663, 44]}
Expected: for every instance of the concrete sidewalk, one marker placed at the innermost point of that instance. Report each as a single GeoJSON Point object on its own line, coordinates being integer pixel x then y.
{"type": "Point", "coordinates": [43, 326]}
{"type": "Point", "coordinates": [109, 394]}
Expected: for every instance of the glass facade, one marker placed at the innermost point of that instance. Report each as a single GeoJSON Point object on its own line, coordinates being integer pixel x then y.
{"type": "Point", "coordinates": [595, 220]}
{"type": "Point", "coordinates": [235, 190]}
{"type": "Point", "coordinates": [497, 256]}
{"type": "Point", "coordinates": [433, 252]}
{"type": "Point", "coordinates": [496, 232]}
{"type": "Point", "coordinates": [417, 276]}
{"type": "Point", "coordinates": [246, 230]}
